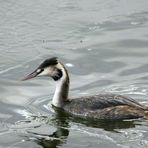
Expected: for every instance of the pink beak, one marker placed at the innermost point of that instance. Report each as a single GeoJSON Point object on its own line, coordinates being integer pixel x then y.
{"type": "Point", "coordinates": [30, 76]}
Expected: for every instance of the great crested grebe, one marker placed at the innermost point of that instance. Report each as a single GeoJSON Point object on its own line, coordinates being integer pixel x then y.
{"type": "Point", "coordinates": [103, 106]}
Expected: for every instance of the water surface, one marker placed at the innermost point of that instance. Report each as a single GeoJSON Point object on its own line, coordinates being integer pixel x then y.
{"type": "Point", "coordinates": [104, 45]}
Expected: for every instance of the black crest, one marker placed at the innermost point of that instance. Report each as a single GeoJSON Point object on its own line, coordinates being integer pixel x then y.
{"type": "Point", "coordinates": [49, 62]}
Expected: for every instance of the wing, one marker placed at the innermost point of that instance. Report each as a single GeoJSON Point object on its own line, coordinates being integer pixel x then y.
{"type": "Point", "coordinates": [108, 106]}
{"type": "Point", "coordinates": [116, 112]}
{"type": "Point", "coordinates": [104, 101]}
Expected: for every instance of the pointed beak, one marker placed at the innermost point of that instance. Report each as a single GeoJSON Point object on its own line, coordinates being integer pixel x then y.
{"type": "Point", "coordinates": [30, 76]}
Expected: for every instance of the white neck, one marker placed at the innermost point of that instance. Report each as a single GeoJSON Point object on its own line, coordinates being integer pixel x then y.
{"type": "Point", "coordinates": [62, 88]}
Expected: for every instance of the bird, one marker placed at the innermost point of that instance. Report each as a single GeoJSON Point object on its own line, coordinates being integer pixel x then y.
{"type": "Point", "coordinates": [101, 106]}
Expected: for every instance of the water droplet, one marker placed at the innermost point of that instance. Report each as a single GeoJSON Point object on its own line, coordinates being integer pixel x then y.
{"type": "Point", "coordinates": [89, 49]}
{"type": "Point", "coordinates": [69, 65]}
{"type": "Point", "coordinates": [134, 23]}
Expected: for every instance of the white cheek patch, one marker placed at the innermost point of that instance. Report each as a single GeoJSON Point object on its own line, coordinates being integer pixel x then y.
{"type": "Point", "coordinates": [49, 71]}
{"type": "Point", "coordinates": [45, 72]}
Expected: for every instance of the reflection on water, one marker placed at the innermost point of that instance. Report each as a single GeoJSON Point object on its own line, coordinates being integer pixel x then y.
{"type": "Point", "coordinates": [47, 136]}
{"type": "Point", "coordinates": [59, 136]}
{"type": "Point", "coordinates": [104, 46]}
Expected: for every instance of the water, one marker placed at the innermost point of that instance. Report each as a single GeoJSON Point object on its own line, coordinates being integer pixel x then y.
{"type": "Point", "coordinates": [104, 45]}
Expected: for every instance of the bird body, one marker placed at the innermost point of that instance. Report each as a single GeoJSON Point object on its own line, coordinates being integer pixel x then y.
{"type": "Point", "coordinates": [106, 106]}
{"type": "Point", "coordinates": [103, 106]}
